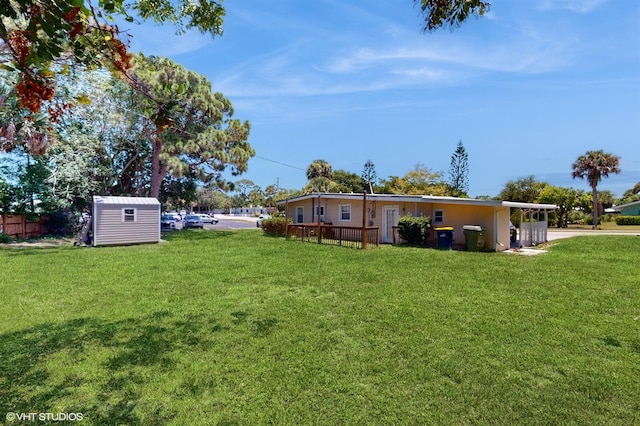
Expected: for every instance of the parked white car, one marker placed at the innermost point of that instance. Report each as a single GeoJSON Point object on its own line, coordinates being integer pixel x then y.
{"type": "Point", "coordinates": [207, 218]}
{"type": "Point", "coordinates": [261, 218]}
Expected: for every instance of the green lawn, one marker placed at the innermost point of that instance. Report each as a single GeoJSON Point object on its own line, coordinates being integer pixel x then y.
{"type": "Point", "coordinates": [216, 327]}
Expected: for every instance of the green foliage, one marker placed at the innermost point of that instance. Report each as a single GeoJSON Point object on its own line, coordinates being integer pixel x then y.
{"type": "Point", "coordinates": [525, 190]}
{"type": "Point", "coordinates": [179, 192]}
{"type": "Point", "coordinates": [630, 195]}
{"type": "Point", "coordinates": [319, 168]}
{"type": "Point", "coordinates": [438, 13]}
{"type": "Point", "coordinates": [369, 176]}
{"type": "Point", "coordinates": [418, 181]}
{"type": "Point", "coordinates": [30, 191]}
{"type": "Point", "coordinates": [4, 238]}
{"type": "Point", "coordinates": [567, 199]}
{"type": "Point", "coordinates": [628, 220]}
{"type": "Point", "coordinates": [276, 226]}
{"type": "Point", "coordinates": [593, 166]}
{"type": "Point", "coordinates": [415, 230]}
{"type": "Point", "coordinates": [41, 34]}
{"type": "Point", "coordinates": [459, 172]}
{"type": "Point", "coordinates": [192, 125]}
{"type": "Point", "coordinates": [348, 182]}
{"type": "Point", "coordinates": [320, 177]}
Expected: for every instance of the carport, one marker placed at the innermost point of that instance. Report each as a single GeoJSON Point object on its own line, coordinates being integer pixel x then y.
{"type": "Point", "coordinates": [534, 221]}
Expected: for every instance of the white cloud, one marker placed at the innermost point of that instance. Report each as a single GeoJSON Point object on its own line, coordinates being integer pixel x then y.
{"type": "Point", "coordinates": [160, 40]}
{"type": "Point", "coordinates": [576, 6]}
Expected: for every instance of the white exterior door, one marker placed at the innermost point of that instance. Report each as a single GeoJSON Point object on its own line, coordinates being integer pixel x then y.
{"type": "Point", "coordinates": [390, 216]}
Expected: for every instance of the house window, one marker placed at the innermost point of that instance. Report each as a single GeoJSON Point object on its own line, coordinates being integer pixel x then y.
{"type": "Point", "coordinates": [315, 212]}
{"type": "Point", "coordinates": [345, 212]}
{"type": "Point", "coordinates": [438, 216]}
{"type": "Point", "coordinates": [299, 214]}
{"type": "Point", "coordinates": [129, 215]}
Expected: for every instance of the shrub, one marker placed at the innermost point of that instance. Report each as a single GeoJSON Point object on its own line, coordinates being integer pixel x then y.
{"type": "Point", "coordinates": [628, 220]}
{"type": "Point", "coordinates": [4, 238]}
{"type": "Point", "coordinates": [275, 226]}
{"type": "Point", "coordinates": [415, 230]}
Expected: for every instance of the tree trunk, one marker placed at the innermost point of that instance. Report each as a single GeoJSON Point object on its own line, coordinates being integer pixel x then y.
{"type": "Point", "coordinates": [594, 201]}
{"type": "Point", "coordinates": [158, 171]}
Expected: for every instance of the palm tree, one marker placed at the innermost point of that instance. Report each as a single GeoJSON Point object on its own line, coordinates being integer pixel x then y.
{"type": "Point", "coordinates": [319, 168]}
{"type": "Point", "coordinates": [595, 165]}
{"type": "Point", "coordinates": [320, 175]}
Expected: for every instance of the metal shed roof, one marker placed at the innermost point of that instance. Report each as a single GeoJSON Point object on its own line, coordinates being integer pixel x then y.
{"type": "Point", "coordinates": [129, 201]}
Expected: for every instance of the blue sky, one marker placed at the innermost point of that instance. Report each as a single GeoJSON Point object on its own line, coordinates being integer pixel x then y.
{"type": "Point", "coordinates": [528, 88]}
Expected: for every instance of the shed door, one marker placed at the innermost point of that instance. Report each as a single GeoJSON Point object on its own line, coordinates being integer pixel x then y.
{"type": "Point", "coordinates": [389, 220]}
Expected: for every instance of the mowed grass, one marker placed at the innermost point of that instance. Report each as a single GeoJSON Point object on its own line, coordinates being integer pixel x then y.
{"type": "Point", "coordinates": [217, 327]}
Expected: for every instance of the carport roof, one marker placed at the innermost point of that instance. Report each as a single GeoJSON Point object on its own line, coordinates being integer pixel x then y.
{"type": "Point", "coordinates": [529, 206]}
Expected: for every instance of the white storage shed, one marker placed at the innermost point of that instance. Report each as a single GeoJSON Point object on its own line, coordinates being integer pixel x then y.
{"type": "Point", "coordinates": [125, 220]}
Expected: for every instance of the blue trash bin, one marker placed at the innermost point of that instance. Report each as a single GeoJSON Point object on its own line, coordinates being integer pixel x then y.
{"type": "Point", "coordinates": [445, 237]}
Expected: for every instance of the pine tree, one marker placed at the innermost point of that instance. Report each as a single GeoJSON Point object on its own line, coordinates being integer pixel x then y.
{"type": "Point", "coordinates": [459, 171]}
{"type": "Point", "coordinates": [369, 175]}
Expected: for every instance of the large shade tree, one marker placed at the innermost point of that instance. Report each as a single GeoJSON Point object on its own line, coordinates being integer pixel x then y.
{"type": "Point", "coordinates": [189, 126]}
{"type": "Point", "coordinates": [593, 166]}
{"type": "Point", "coordinates": [420, 181]}
{"type": "Point", "coordinates": [526, 190]}
{"type": "Point", "coordinates": [348, 181]}
{"type": "Point", "coordinates": [567, 199]}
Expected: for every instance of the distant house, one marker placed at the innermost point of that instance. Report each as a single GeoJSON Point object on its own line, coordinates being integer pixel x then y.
{"type": "Point", "coordinates": [629, 209]}
{"type": "Point", "coordinates": [384, 210]}
{"type": "Point", "coordinates": [125, 220]}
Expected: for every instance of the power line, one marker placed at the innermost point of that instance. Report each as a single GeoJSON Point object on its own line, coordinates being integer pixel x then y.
{"type": "Point", "coordinates": [278, 162]}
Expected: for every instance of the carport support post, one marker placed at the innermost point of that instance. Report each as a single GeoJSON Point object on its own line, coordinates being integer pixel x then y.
{"type": "Point", "coordinates": [364, 219]}
{"type": "Point", "coordinates": [318, 211]}
{"type": "Point", "coordinates": [286, 218]}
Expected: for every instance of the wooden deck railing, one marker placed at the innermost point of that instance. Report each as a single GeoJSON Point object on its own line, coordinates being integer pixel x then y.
{"type": "Point", "coordinates": [348, 236]}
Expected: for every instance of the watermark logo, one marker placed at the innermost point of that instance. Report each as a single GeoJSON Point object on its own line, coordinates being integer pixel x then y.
{"type": "Point", "coordinates": [44, 417]}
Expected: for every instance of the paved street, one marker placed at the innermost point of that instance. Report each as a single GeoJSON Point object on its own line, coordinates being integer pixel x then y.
{"type": "Point", "coordinates": [556, 234]}
{"type": "Point", "coordinates": [233, 222]}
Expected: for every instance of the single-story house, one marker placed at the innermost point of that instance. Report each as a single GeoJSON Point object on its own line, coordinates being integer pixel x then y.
{"type": "Point", "coordinates": [384, 211]}
{"type": "Point", "coordinates": [628, 209]}
{"type": "Point", "coordinates": [125, 220]}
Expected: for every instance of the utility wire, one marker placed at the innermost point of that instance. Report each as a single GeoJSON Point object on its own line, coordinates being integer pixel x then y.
{"type": "Point", "coordinates": [281, 163]}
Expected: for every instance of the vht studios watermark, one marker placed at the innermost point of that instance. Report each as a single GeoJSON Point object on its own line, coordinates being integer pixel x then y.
{"type": "Point", "coordinates": [44, 417]}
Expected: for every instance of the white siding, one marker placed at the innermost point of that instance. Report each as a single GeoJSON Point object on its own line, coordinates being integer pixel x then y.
{"type": "Point", "coordinates": [110, 229]}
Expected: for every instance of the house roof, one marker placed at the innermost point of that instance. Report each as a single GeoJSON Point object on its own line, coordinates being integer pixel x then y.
{"type": "Point", "coordinates": [129, 201]}
{"type": "Point", "coordinates": [425, 199]}
{"type": "Point", "coordinates": [623, 206]}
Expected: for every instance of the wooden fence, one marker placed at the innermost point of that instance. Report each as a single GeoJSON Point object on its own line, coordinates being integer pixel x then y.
{"type": "Point", "coordinates": [348, 236]}
{"type": "Point", "coordinates": [20, 226]}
